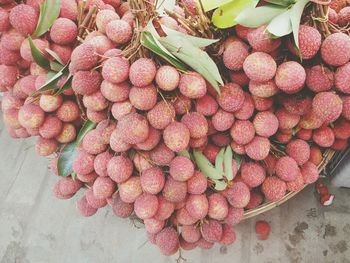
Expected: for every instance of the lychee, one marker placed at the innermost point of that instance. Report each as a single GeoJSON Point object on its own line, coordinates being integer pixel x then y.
{"type": "Point", "coordinates": [335, 49]}
{"type": "Point", "coordinates": [218, 207]}
{"type": "Point", "coordinates": [238, 195]}
{"type": "Point", "coordinates": [176, 136]}
{"type": "Point", "coordinates": [162, 155]}
{"type": "Point", "coordinates": [24, 19]}
{"type": "Point", "coordinates": [191, 233]}
{"type": "Point", "coordinates": [328, 106]}
{"type": "Point", "coordinates": [296, 184]}
{"type": "Point", "coordinates": [120, 109]}
{"type": "Point", "coordinates": [146, 206]}
{"type": "Point", "coordinates": [182, 104]}
{"type": "Point", "coordinates": [93, 200]}
{"type": "Point", "coordinates": [290, 77]}
{"type": "Point", "coordinates": [309, 172]}
{"type": "Point", "coordinates": [144, 98]}
{"type": "Point", "coordinates": [174, 191]}
{"type": "Point", "coordinates": [83, 163]}
{"type": "Point", "coordinates": [319, 78]}
{"type": "Point", "coordinates": [286, 120]}
{"type": "Point", "coordinates": [323, 136]}
{"type": "Point", "coordinates": [196, 124]}
{"type": "Point", "coordinates": [161, 115]}
{"type": "Point", "coordinates": [262, 229]}
{"type": "Point", "coordinates": [133, 128]}
{"type": "Point", "coordinates": [168, 241]}
{"type": "Point", "coordinates": [206, 105]}
{"type": "Point", "coordinates": [181, 168]}
{"type": "Point", "coordinates": [84, 57]}
{"type": "Point", "coordinates": [68, 111]}
{"type": "Point", "coordinates": [253, 174]}
{"type": "Point", "coordinates": [51, 127]}
{"type": "Point", "coordinates": [84, 208]}
{"type": "Point", "coordinates": [242, 132]}
{"type": "Point", "coordinates": [63, 31]}
{"type": "Point", "coordinates": [287, 169]}
{"type": "Point", "coordinates": [45, 147]}
{"type": "Point", "coordinates": [212, 231]}
{"type": "Point", "coordinates": [165, 209]}
{"type": "Point", "coordinates": [274, 188]}
{"type": "Point", "coordinates": [103, 17]}
{"type": "Point", "coordinates": [115, 70]}
{"type": "Point", "coordinates": [192, 85]}
{"type": "Point", "coordinates": [119, 31]}
{"type": "Point", "coordinates": [69, 9]}
{"type": "Point", "coordinates": [235, 54]}
{"type": "Point", "coordinates": [130, 190]}
{"type": "Point", "coordinates": [263, 89]}
{"type": "Point", "coordinates": [258, 149]}
{"type": "Point", "coordinates": [342, 78]}
{"type": "Point", "coordinates": [31, 116]}
{"type": "Point", "coordinates": [222, 120]}
{"type": "Point", "coordinates": [231, 98]}
{"type": "Point", "coordinates": [247, 109]}
{"type": "Point", "coordinates": [299, 150]}
{"type": "Point", "coordinates": [265, 123]}
{"type": "Point", "coordinates": [260, 41]}
{"type": "Point", "coordinates": [260, 67]}
{"type": "Point", "coordinates": [167, 78]}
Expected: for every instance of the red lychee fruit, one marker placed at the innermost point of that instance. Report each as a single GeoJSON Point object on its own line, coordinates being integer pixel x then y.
{"type": "Point", "coordinates": [274, 188]}
{"type": "Point", "coordinates": [51, 127]}
{"type": "Point", "coordinates": [247, 109]}
{"type": "Point", "coordinates": [84, 57]}
{"type": "Point", "coordinates": [174, 191]}
{"type": "Point", "coordinates": [181, 168]}
{"type": "Point", "coordinates": [197, 206]}
{"type": "Point", "coordinates": [212, 231]}
{"type": "Point", "coordinates": [263, 89]}
{"type": "Point", "coordinates": [222, 120]}
{"type": "Point", "coordinates": [119, 31]}
{"type": "Point", "coordinates": [328, 106]}
{"type": "Point", "coordinates": [69, 9]}
{"type": "Point", "coordinates": [260, 67]}
{"type": "Point", "coordinates": [176, 136]}
{"type": "Point", "coordinates": [68, 111]}
{"type": "Point", "coordinates": [196, 124]}
{"type": "Point", "coordinates": [133, 128]}
{"type": "Point", "coordinates": [119, 168]}
{"type": "Point", "coordinates": [31, 116]}
{"type": "Point", "coordinates": [286, 120]}
{"type": "Point", "coordinates": [242, 132]}
{"type": "Point", "coordinates": [63, 31]}
{"type": "Point", "coordinates": [218, 207]}
{"type": "Point", "coordinates": [235, 54]}
{"type": "Point", "coordinates": [342, 78]}
{"type": "Point", "coordinates": [265, 123]}
{"type": "Point", "coordinates": [119, 207]}
{"type": "Point", "coordinates": [144, 98]}
{"type": "Point", "coordinates": [192, 85]}
{"type": "Point", "coordinates": [165, 209]}
{"type": "Point", "coordinates": [83, 163]}
{"type": "Point", "coordinates": [146, 206]}
{"type": "Point", "coordinates": [296, 184]}
{"type": "Point", "coordinates": [335, 49]}
{"type": "Point", "coordinates": [299, 150]}
{"type": "Point", "coordinates": [231, 98]}
{"type": "Point", "coordinates": [152, 180]}
{"type": "Point", "coordinates": [130, 190]}
{"type": "Point", "coordinates": [190, 233]}
{"type": "Point", "coordinates": [167, 78]}
{"type": "Point", "coordinates": [24, 19]}
{"type": "Point", "coordinates": [197, 184]}
{"type": "Point", "coordinates": [324, 136]}
{"type": "Point", "coordinates": [260, 41]}
{"type": "Point", "coordinates": [238, 195]}
{"type": "Point", "coordinates": [309, 172]}
{"type": "Point", "coordinates": [206, 105]}
{"type": "Point", "coordinates": [142, 72]}
{"type": "Point", "coordinates": [258, 149]}
{"type": "Point", "coordinates": [168, 241]}
{"type": "Point", "coordinates": [162, 155]}
{"type": "Point", "coordinates": [45, 147]}
{"type": "Point", "coordinates": [290, 77]}
{"type": "Point", "coordinates": [84, 208]}
{"type": "Point", "coordinates": [287, 169]}
{"type": "Point", "coordinates": [86, 82]}
{"type": "Point", "coordinates": [253, 174]}
{"type": "Point", "coordinates": [103, 17]}
{"type": "Point", "coordinates": [93, 200]}
{"type": "Point", "coordinates": [262, 229]}
{"type": "Point", "coordinates": [319, 78]}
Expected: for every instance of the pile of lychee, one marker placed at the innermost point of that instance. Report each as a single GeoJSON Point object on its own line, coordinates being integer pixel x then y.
{"type": "Point", "coordinates": [148, 114]}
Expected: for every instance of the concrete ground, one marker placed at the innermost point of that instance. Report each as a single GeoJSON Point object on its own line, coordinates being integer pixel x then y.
{"type": "Point", "coordinates": [37, 228]}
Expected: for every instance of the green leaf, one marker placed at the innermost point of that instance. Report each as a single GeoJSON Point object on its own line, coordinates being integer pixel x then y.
{"type": "Point", "coordinates": [210, 4]}
{"type": "Point", "coordinates": [220, 185]}
{"type": "Point", "coordinates": [148, 41]}
{"type": "Point", "coordinates": [67, 84]}
{"type": "Point", "coordinates": [219, 161]}
{"type": "Point", "coordinates": [55, 66]}
{"type": "Point", "coordinates": [228, 163]}
{"type": "Point", "coordinates": [51, 83]}
{"type": "Point", "coordinates": [49, 12]}
{"type": "Point", "coordinates": [70, 151]}
{"type": "Point", "coordinates": [205, 166]}
{"type": "Point", "coordinates": [38, 56]}
{"type": "Point", "coordinates": [285, 3]}
{"type": "Point", "coordinates": [238, 159]}
{"type": "Point", "coordinates": [184, 153]}
{"type": "Point", "coordinates": [295, 15]}
{"type": "Point", "coordinates": [54, 55]}
{"type": "Point", "coordinates": [280, 25]}
{"type": "Point", "coordinates": [262, 15]}
{"type": "Point", "coordinates": [196, 58]}
{"type": "Point", "coordinates": [196, 41]}
{"type": "Point", "coordinates": [225, 16]}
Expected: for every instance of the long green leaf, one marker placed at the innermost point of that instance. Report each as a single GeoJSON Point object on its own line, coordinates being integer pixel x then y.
{"type": "Point", "coordinates": [255, 17]}
{"type": "Point", "coordinates": [38, 56]}
{"type": "Point", "coordinates": [149, 42]}
{"type": "Point", "coordinates": [55, 66]}
{"type": "Point", "coordinates": [67, 84]}
{"type": "Point", "coordinates": [196, 41]}
{"type": "Point", "coordinates": [285, 3]}
{"type": "Point", "coordinates": [295, 15]}
{"type": "Point", "coordinates": [49, 12]}
{"type": "Point", "coordinates": [210, 4]}
{"type": "Point", "coordinates": [219, 161]}
{"type": "Point", "coordinates": [196, 58]}
{"type": "Point", "coordinates": [70, 151]}
{"type": "Point", "coordinates": [280, 25]}
{"type": "Point", "coordinates": [225, 15]}
{"type": "Point", "coordinates": [228, 163]}
{"type": "Point", "coordinates": [205, 166]}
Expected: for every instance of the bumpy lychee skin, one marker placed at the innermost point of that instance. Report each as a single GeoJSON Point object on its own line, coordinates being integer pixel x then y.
{"type": "Point", "coordinates": [263, 89]}
{"type": "Point", "coordinates": [247, 109]}
{"type": "Point", "coordinates": [197, 184]}
{"type": "Point", "coordinates": [64, 31]}
{"type": "Point", "coordinates": [342, 130]}
{"type": "Point", "coordinates": [286, 120]}
{"type": "Point", "coordinates": [265, 123]}
{"type": "Point", "coordinates": [51, 127]}
{"type": "Point", "coordinates": [260, 41]}
{"type": "Point", "coordinates": [176, 136]}
{"type": "Point", "coordinates": [342, 78]}
{"type": "Point", "coordinates": [168, 241]}
{"type": "Point", "coordinates": [83, 163]}
{"type": "Point", "coordinates": [12, 39]}
{"type": "Point", "coordinates": [50, 103]}
{"type": "Point", "coordinates": [297, 184]}
{"type": "Point", "coordinates": [115, 92]}
{"type": "Point", "coordinates": [192, 85]}
{"type": "Point", "coordinates": [181, 168]}
{"type": "Point", "coordinates": [101, 43]}
{"type": "Point", "coordinates": [183, 217]}
{"type": "Point", "coordinates": [103, 17]}
{"type": "Point", "coordinates": [212, 231]}
{"type": "Point", "coordinates": [332, 16]}
{"type": "Point", "coordinates": [182, 104]}
{"type": "Point", "coordinates": [274, 188]}
{"type": "Point", "coordinates": [84, 208]}
{"type": "Point", "coordinates": [4, 20]}
{"type": "Point", "coordinates": [153, 225]}
{"type": "Point", "coordinates": [152, 140]}
{"type": "Point", "coordinates": [324, 137]}
{"type": "Point", "coordinates": [120, 168]}
{"type": "Point", "coordinates": [174, 191]}
{"type": "Point", "coordinates": [119, 207]}
{"type": "Point", "coordinates": [290, 77]}
{"type": "Point", "coordinates": [134, 128]}
{"type": "Point", "coordinates": [196, 123]}
{"type": "Point", "coordinates": [9, 57]}
{"type": "Point", "coordinates": [31, 116]}
{"type": "Point", "coordinates": [8, 76]}
{"type": "Point", "coordinates": [93, 200]}
{"type": "Point", "coordinates": [45, 147]}
{"type": "Point", "coordinates": [234, 55]}
{"type": "Point", "coordinates": [161, 115]}
{"type": "Point", "coordinates": [231, 98]}
{"type": "Point", "coordinates": [120, 109]}
{"type": "Point", "coordinates": [239, 77]}
{"type": "Point", "coordinates": [130, 189]}
{"type": "Point", "coordinates": [167, 78]}
{"type": "Point", "coordinates": [218, 207]}
{"type": "Point", "coordinates": [287, 169]}
{"type": "Point", "coordinates": [299, 150]}
{"type": "Point", "coordinates": [119, 31]}
{"type": "Point", "coordinates": [297, 104]}
{"type": "Point", "coordinates": [142, 72]}
{"type": "Point", "coordinates": [242, 132]}
{"type": "Point", "coordinates": [238, 195]}
{"type": "Point", "coordinates": [206, 105]}
{"type": "Point", "coordinates": [84, 57]}
{"type": "Point", "coordinates": [86, 82]}
{"type": "Point", "coordinates": [253, 174]}
{"type": "Point", "coordinates": [319, 78]}
{"type": "Point", "coordinates": [162, 155]}
{"type": "Point", "coordinates": [68, 111]}
{"type": "Point", "coordinates": [346, 107]}
{"type": "Point", "coordinates": [260, 67]}
{"type": "Point", "coordinates": [309, 172]}
{"type": "Point", "coordinates": [143, 98]}
{"type": "Point", "coordinates": [190, 233]}
{"type": "Point", "coordinates": [146, 205]}
{"type": "Point", "coordinates": [165, 209]}
{"type": "Point", "coordinates": [197, 206]}
{"type": "Point", "coordinates": [10, 117]}
{"type": "Point", "coordinates": [335, 49]}
{"type": "Point", "coordinates": [258, 149]}
{"type": "Point", "coordinates": [221, 139]}
{"type": "Point", "coordinates": [101, 163]}
{"type": "Point", "coordinates": [69, 9]}
{"type": "Point", "coordinates": [309, 42]}
{"type": "Point", "coordinates": [24, 19]}
{"type": "Point", "coordinates": [222, 120]}
{"type": "Point", "coordinates": [337, 5]}
{"type": "Point", "coordinates": [328, 106]}
{"type": "Point", "coordinates": [152, 180]}
{"type": "Point", "coordinates": [344, 16]}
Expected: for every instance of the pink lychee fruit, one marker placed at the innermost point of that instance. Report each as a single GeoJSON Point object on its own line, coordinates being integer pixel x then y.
{"type": "Point", "coordinates": [290, 77]}
{"type": "Point", "coordinates": [274, 188]}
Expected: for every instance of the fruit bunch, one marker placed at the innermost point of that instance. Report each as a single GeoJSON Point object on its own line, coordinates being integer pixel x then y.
{"type": "Point", "coordinates": [136, 133]}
